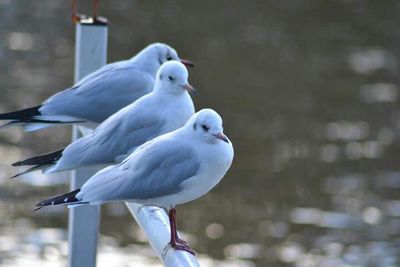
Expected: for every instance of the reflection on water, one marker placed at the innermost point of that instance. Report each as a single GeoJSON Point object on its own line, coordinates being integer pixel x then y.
{"type": "Point", "coordinates": [309, 95]}
{"type": "Point", "coordinates": [48, 247]}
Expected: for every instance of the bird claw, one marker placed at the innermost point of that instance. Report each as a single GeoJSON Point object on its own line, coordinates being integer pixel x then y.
{"type": "Point", "coordinates": [182, 246]}
{"type": "Point", "coordinates": [181, 241]}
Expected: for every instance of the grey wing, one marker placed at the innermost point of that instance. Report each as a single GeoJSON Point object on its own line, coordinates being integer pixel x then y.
{"type": "Point", "coordinates": [101, 94]}
{"type": "Point", "coordinates": [113, 139]}
{"type": "Point", "coordinates": [98, 73]}
{"type": "Point", "coordinates": [157, 170]}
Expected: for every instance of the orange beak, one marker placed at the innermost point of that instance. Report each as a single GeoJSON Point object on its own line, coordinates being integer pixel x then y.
{"type": "Point", "coordinates": [187, 63]}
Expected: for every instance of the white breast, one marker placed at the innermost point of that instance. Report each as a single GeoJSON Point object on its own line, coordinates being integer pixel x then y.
{"type": "Point", "coordinates": [216, 161]}
{"type": "Point", "coordinates": [178, 112]}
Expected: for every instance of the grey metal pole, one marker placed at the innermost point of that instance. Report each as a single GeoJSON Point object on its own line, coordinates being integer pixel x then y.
{"type": "Point", "coordinates": [155, 223]}
{"type": "Point", "coordinates": [90, 54]}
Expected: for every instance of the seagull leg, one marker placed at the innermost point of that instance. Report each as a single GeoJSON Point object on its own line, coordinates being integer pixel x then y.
{"type": "Point", "coordinates": [177, 238]}
{"type": "Point", "coordinates": [176, 242]}
{"type": "Point", "coordinates": [95, 9]}
{"type": "Point", "coordinates": [75, 16]}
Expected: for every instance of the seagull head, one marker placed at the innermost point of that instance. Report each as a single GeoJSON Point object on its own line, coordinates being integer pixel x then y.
{"type": "Point", "coordinates": [206, 124]}
{"type": "Point", "coordinates": [157, 54]}
{"type": "Point", "coordinates": [172, 77]}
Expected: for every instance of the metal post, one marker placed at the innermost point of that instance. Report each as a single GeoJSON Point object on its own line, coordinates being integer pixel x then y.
{"type": "Point", "coordinates": [154, 221]}
{"type": "Point", "coordinates": [90, 54]}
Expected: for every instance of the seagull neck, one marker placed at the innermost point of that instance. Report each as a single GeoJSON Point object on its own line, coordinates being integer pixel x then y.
{"type": "Point", "coordinates": [182, 133]}
{"type": "Point", "coordinates": [164, 90]}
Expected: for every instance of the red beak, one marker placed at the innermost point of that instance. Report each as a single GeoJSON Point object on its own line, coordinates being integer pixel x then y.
{"type": "Point", "coordinates": [190, 89]}
{"type": "Point", "coordinates": [222, 137]}
{"type": "Point", "coordinates": [187, 63]}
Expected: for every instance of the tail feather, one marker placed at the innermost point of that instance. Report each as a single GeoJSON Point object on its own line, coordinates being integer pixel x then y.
{"type": "Point", "coordinates": [31, 127]}
{"type": "Point", "coordinates": [39, 124]}
{"type": "Point", "coordinates": [68, 198]}
{"type": "Point", "coordinates": [45, 159]}
{"type": "Point", "coordinates": [22, 114]}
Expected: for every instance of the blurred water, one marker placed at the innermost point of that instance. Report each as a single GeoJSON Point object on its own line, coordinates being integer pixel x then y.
{"type": "Point", "coordinates": [309, 95]}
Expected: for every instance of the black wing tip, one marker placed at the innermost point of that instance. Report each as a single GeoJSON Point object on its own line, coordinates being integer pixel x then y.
{"type": "Point", "coordinates": [29, 115]}
{"type": "Point", "coordinates": [40, 160]}
{"type": "Point", "coordinates": [38, 208]}
{"type": "Point", "coordinates": [40, 204]}
{"type": "Point", "coordinates": [15, 176]}
{"type": "Point", "coordinates": [21, 173]}
{"type": "Point", "coordinates": [32, 169]}
{"type": "Point", "coordinates": [18, 163]}
{"type": "Point", "coordinates": [22, 114]}
{"type": "Point", "coordinates": [69, 197]}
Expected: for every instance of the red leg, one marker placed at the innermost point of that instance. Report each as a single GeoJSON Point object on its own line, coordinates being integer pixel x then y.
{"type": "Point", "coordinates": [75, 16]}
{"type": "Point", "coordinates": [176, 242]}
{"type": "Point", "coordinates": [177, 239]}
{"type": "Point", "coordinates": [95, 9]}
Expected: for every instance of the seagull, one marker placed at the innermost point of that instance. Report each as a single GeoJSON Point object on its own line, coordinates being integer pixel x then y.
{"type": "Point", "coordinates": [100, 94]}
{"type": "Point", "coordinates": [166, 108]}
{"type": "Point", "coordinates": [172, 169]}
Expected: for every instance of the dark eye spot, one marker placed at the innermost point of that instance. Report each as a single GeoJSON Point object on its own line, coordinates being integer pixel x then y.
{"type": "Point", "coordinates": [171, 78]}
{"type": "Point", "coordinates": [169, 58]}
{"type": "Point", "coordinates": [205, 127]}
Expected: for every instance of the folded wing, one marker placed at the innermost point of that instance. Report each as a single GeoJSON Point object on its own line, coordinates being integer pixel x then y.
{"type": "Point", "coordinates": [112, 140]}
{"type": "Point", "coordinates": [101, 94]}
{"type": "Point", "coordinates": [154, 171]}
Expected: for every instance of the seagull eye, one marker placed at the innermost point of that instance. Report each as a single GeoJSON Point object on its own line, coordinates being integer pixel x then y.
{"type": "Point", "coordinates": [169, 58]}
{"type": "Point", "coordinates": [205, 127]}
{"type": "Point", "coordinates": [171, 78]}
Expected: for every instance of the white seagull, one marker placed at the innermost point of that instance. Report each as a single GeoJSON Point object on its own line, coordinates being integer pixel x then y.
{"type": "Point", "coordinates": [171, 169]}
{"type": "Point", "coordinates": [100, 94]}
{"type": "Point", "coordinates": [166, 108]}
